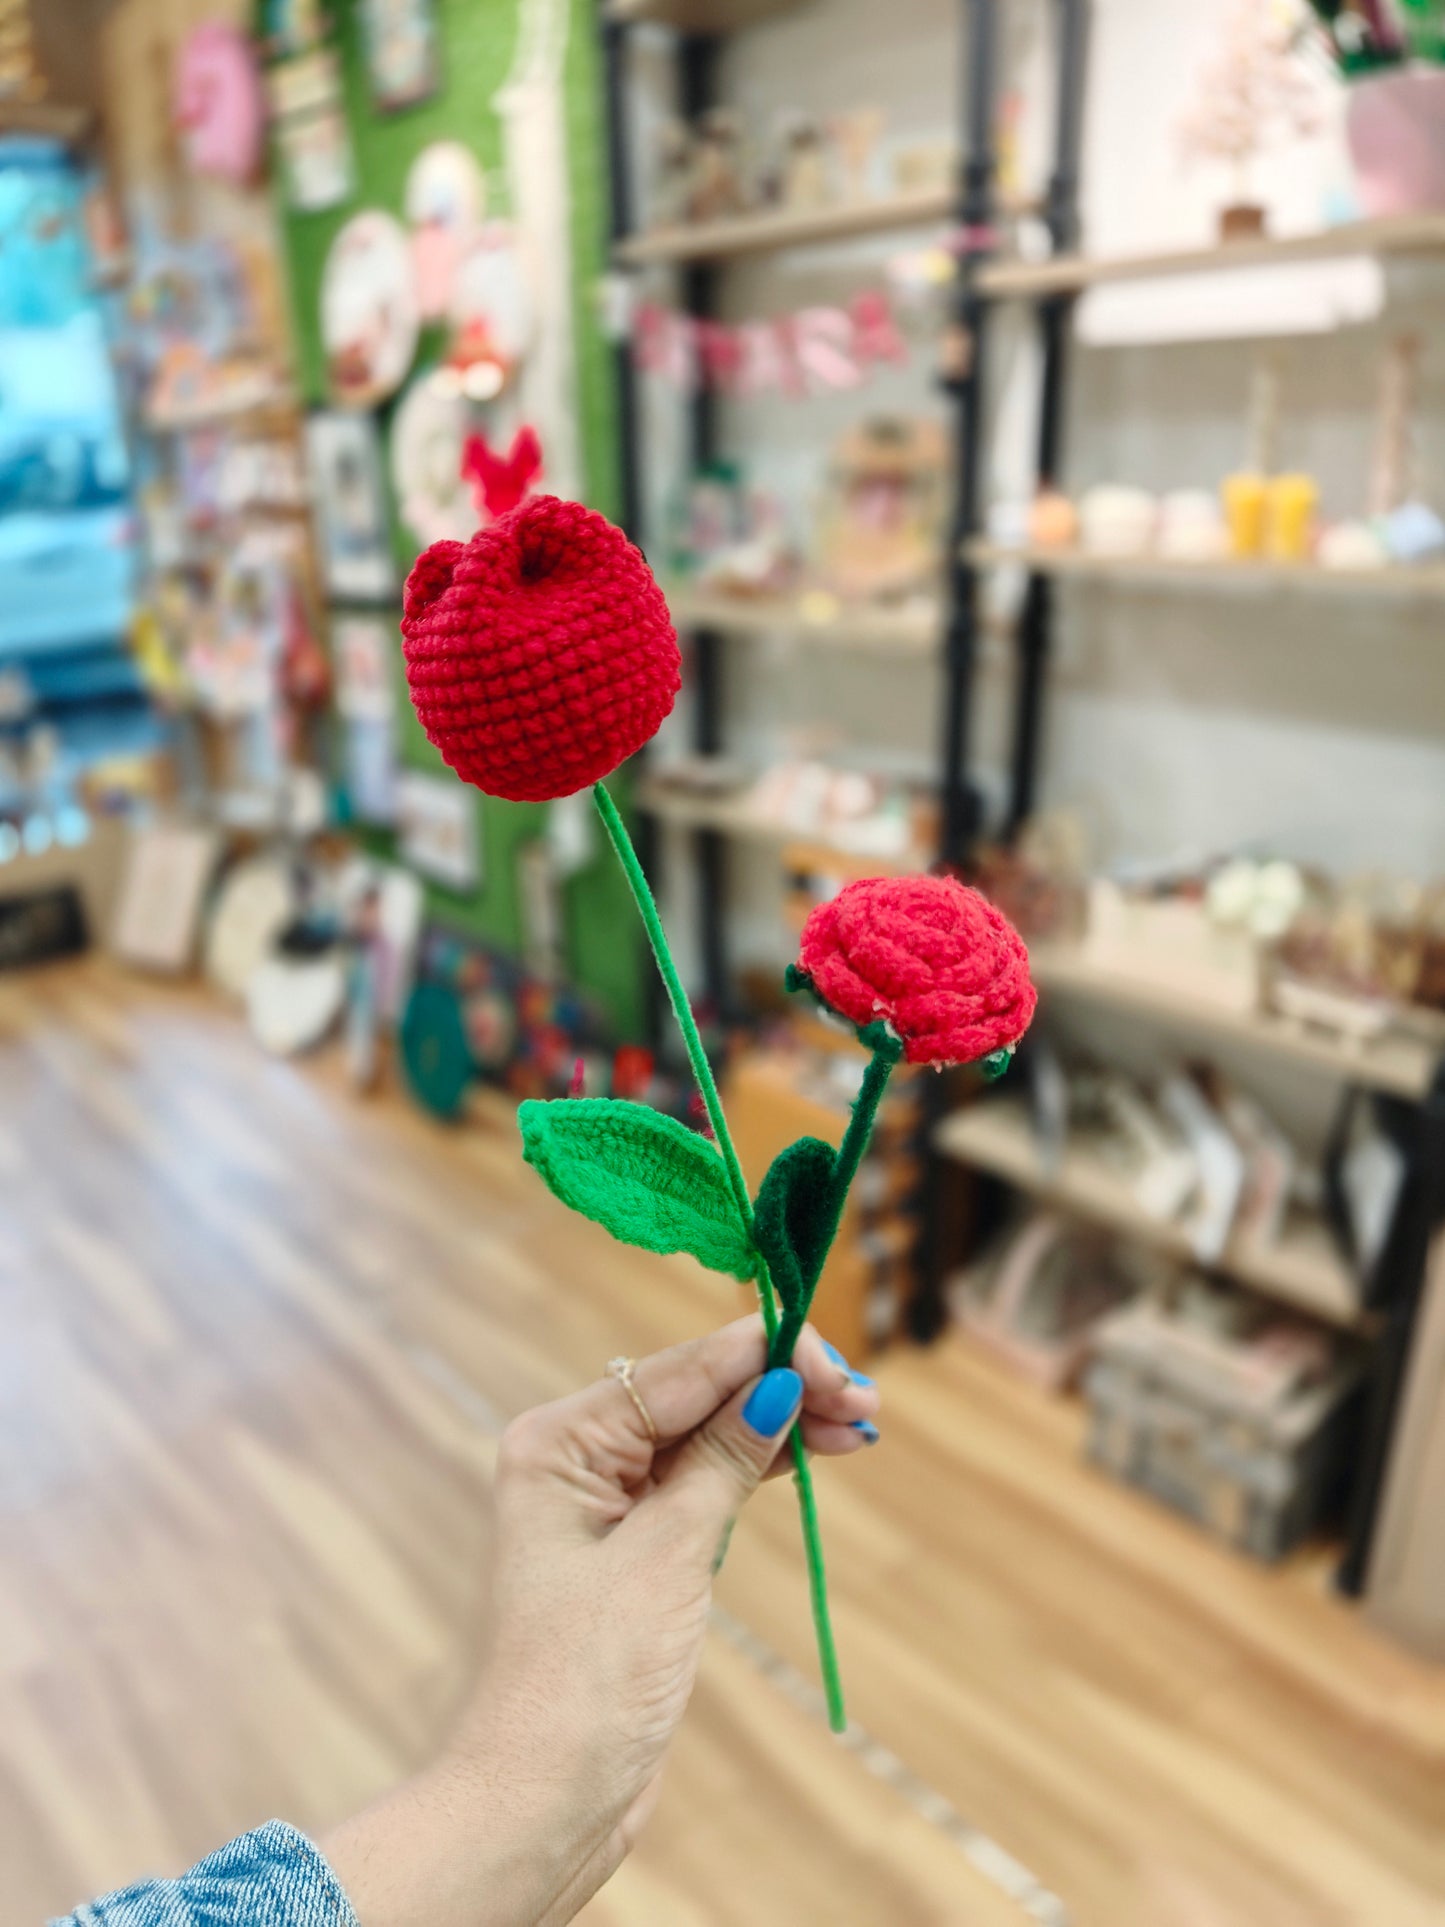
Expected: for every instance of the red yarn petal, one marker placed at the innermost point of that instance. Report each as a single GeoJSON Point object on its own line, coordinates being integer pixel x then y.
{"type": "Point", "coordinates": [947, 969]}
{"type": "Point", "coordinates": [431, 576]}
{"type": "Point", "coordinates": [540, 654]}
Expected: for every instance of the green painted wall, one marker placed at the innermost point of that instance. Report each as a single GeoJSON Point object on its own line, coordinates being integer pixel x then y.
{"type": "Point", "coordinates": [478, 39]}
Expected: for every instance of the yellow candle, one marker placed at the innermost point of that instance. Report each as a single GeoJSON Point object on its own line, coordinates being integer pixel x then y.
{"type": "Point", "coordinates": [1244, 497]}
{"type": "Point", "coordinates": [1289, 518]}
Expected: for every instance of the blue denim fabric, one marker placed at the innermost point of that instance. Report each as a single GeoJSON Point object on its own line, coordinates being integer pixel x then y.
{"type": "Point", "coordinates": [273, 1877]}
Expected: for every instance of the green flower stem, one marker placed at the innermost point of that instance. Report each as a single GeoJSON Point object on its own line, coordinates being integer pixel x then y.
{"type": "Point", "coordinates": [887, 1048]}
{"type": "Point", "coordinates": [702, 1070]}
{"type": "Point", "coordinates": [681, 1009]}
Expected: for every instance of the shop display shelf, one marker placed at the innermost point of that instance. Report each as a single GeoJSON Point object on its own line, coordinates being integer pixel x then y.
{"type": "Point", "coordinates": [1401, 1065]}
{"type": "Point", "coordinates": [911, 629]}
{"type": "Point", "coordinates": [1301, 1269]}
{"type": "Point", "coordinates": [1401, 234]}
{"type": "Point", "coordinates": [273, 404]}
{"type": "Point", "coordinates": [772, 229]}
{"type": "Point", "coordinates": [696, 16]}
{"type": "Point", "coordinates": [48, 119]}
{"type": "Point", "coordinates": [1401, 581]}
{"type": "Point", "coordinates": [733, 817]}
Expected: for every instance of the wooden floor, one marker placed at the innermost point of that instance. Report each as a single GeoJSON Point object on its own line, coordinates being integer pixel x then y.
{"type": "Point", "coordinates": [256, 1340]}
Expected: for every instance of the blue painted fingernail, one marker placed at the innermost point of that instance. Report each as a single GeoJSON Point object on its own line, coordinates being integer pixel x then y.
{"type": "Point", "coordinates": [836, 1356]}
{"type": "Point", "coordinates": [858, 1378]}
{"type": "Point", "coordinates": [869, 1430]}
{"type": "Point", "coordinates": [773, 1401]}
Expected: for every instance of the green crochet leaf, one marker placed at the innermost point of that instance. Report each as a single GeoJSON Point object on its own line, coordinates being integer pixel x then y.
{"type": "Point", "coordinates": [794, 1221]}
{"type": "Point", "coordinates": [644, 1177]}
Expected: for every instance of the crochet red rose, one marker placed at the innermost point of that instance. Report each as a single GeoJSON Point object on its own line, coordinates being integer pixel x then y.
{"type": "Point", "coordinates": [540, 654]}
{"type": "Point", "coordinates": [946, 969]}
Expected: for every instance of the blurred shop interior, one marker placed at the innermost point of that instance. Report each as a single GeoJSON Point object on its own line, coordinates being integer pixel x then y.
{"type": "Point", "coordinates": [1034, 413]}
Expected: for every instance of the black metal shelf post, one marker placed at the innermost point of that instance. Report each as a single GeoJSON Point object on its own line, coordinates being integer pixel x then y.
{"type": "Point", "coordinates": [629, 427]}
{"type": "Point", "coordinates": [1035, 622]}
{"type": "Point", "coordinates": [697, 75]}
{"type": "Point", "coordinates": [961, 806]}
{"type": "Point", "coordinates": [962, 809]}
{"type": "Point", "coordinates": [697, 56]}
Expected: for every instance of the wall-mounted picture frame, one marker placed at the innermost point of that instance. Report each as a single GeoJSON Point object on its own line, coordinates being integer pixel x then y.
{"type": "Point", "coordinates": [313, 142]}
{"type": "Point", "coordinates": [343, 454]}
{"type": "Point", "coordinates": [364, 660]}
{"type": "Point", "coordinates": [437, 829]}
{"type": "Point", "coordinates": [403, 52]}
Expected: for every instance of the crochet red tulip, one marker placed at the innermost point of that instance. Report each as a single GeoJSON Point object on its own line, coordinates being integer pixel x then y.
{"type": "Point", "coordinates": [946, 969]}
{"type": "Point", "coordinates": [540, 654]}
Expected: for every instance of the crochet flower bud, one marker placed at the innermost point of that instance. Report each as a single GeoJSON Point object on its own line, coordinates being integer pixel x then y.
{"type": "Point", "coordinates": [540, 654]}
{"type": "Point", "coordinates": [944, 968]}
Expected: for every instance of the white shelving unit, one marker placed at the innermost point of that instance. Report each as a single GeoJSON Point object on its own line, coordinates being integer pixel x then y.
{"type": "Point", "coordinates": [772, 229]}
{"type": "Point", "coordinates": [1401, 582]}
{"type": "Point", "coordinates": [732, 816]}
{"type": "Point", "coordinates": [1403, 234]}
{"type": "Point", "coordinates": [1302, 1269]}
{"type": "Point", "coordinates": [1396, 1063]}
{"type": "Point", "coordinates": [912, 629]}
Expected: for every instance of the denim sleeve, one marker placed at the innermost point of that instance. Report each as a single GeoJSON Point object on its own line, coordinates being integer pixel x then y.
{"type": "Point", "coordinates": [273, 1877]}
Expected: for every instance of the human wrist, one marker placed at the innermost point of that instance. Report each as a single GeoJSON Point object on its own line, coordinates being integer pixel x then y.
{"type": "Point", "coordinates": [482, 1837]}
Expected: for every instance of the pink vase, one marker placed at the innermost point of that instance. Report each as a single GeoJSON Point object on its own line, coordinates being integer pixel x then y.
{"type": "Point", "coordinates": [1395, 125]}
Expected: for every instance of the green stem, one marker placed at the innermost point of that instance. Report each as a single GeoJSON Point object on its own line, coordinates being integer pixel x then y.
{"type": "Point", "coordinates": [702, 1070]}
{"type": "Point", "coordinates": [681, 1009]}
{"type": "Point", "coordinates": [887, 1049]}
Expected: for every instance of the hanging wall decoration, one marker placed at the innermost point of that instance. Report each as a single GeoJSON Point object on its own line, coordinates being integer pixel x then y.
{"type": "Point", "coordinates": [313, 141]}
{"type": "Point", "coordinates": [369, 318]}
{"type": "Point", "coordinates": [446, 198]}
{"type": "Point", "coordinates": [363, 650]}
{"type": "Point", "coordinates": [437, 821]}
{"type": "Point", "coordinates": [403, 54]}
{"type": "Point", "coordinates": [343, 453]}
{"type": "Point", "coordinates": [428, 450]}
{"type": "Point", "coordinates": [811, 351]}
{"type": "Point", "coordinates": [493, 314]}
{"type": "Point", "coordinates": [500, 480]}
{"type": "Point", "coordinates": [219, 105]}
{"type": "Point", "coordinates": [291, 26]}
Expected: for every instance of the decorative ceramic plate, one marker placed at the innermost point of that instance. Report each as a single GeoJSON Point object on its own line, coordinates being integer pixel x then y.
{"type": "Point", "coordinates": [255, 904]}
{"type": "Point", "coordinates": [428, 434]}
{"type": "Point", "coordinates": [369, 314]}
{"type": "Point", "coordinates": [293, 1002]}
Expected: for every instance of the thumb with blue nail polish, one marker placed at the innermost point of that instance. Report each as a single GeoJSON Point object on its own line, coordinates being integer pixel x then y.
{"type": "Point", "coordinates": [724, 1461]}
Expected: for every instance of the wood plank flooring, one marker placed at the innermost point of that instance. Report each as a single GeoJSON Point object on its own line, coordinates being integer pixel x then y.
{"type": "Point", "coordinates": [256, 1339]}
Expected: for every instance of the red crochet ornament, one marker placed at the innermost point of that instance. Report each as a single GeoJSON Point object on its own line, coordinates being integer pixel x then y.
{"type": "Point", "coordinates": [540, 654]}
{"type": "Point", "coordinates": [946, 969]}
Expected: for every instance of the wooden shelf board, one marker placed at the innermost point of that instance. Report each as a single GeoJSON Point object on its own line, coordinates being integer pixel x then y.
{"type": "Point", "coordinates": [47, 119]}
{"type": "Point", "coordinates": [1401, 1065]}
{"type": "Point", "coordinates": [1302, 1270]}
{"type": "Point", "coordinates": [697, 16]}
{"type": "Point", "coordinates": [1401, 581]}
{"type": "Point", "coordinates": [914, 629]}
{"type": "Point", "coordinates": [731, 817]}
{"type": "Point", "coordinates": [774, 228]}
{"type": "Point", "coordinates": [281, 402]}
{"type": "Point", "coordinates": [1069, 273]}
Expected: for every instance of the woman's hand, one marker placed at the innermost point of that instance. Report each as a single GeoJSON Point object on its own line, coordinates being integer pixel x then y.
{"type": "Point", "coordinates": [606, 1548]}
